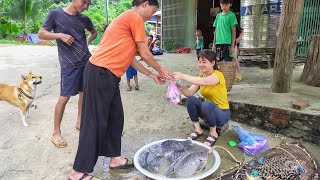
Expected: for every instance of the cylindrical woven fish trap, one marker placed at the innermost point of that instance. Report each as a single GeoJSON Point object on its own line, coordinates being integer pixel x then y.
{"type": "Point", "coordinates": [228, 69]}
{"type": "Point", "coordinates": [289, 161]}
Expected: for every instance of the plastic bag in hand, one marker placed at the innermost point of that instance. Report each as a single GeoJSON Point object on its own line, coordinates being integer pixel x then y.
{"type": "Point", "coordinates": [250, 142]}
{"type": "Point", "coordinates": [173, 94]}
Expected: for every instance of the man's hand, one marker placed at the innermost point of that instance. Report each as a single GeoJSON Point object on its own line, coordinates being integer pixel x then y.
{"type": "Point", "coordinates": [237, 40]}
{"type": "Point", "coordinates": [232, 50]}
{"type": "Point", "coordinates": [157, 78]}
{"type": "Point", "coordinates": [214, 48]}
{"type": "Point", "coordinates": [67, 39]}
{"type": "Point", "coordinates": [165, 74]}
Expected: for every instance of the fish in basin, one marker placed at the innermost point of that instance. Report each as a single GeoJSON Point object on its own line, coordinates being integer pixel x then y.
{"type": "Point", "coordinates": [161, 164]}
{"type": "Point", "coordinates": [168, 149]}
{"type": "Point", "coordinates": [188, 165]}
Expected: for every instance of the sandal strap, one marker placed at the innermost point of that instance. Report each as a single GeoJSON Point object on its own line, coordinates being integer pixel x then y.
{"type": "Point", "coordinates": [84, 176]}
{"type": "Point", "coordinates": [210, 141]}
{"type": "Point", "coordinates": [196, 132]}
{"type": "Point", "coordinates": [195, 137]}
{"type": "Point", "coordinates": [213, 137]}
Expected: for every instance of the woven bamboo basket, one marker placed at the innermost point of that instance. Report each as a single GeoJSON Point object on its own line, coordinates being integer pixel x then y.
{"type": "Point", "coordinates": [228, 69]}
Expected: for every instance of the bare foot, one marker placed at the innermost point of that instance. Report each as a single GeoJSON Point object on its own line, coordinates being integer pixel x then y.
{"type": "Point", "coordinates": [58, 141]}
{"type": "Point", "coordinates": [75, 175]}
{"type": "Point", "coordinates": [117, 161]}
{"type": "Point", "coordinates": [78, 124]}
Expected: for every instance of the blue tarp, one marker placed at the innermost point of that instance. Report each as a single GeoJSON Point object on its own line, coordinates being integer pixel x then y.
{"type": "Point", "coordinates": [31, 38]}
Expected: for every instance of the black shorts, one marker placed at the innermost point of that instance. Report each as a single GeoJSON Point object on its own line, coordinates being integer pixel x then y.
{"type": "Point", "coordinates": [223, 52]}
{"type": "Point", "coordinates": [198, 51]}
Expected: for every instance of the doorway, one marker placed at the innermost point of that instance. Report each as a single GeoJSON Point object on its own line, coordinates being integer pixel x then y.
{"type": "Point", "coordinates": [206, 15]}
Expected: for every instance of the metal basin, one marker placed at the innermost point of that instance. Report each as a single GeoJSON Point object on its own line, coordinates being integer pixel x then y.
{"type": "Point", "coordinates": [212, 164]}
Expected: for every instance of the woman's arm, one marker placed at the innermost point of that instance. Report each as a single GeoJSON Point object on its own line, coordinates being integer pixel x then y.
{"type": "Point", "coordinates": [188, 92]}
{"type": "Point", "coordinates": [200, 81]}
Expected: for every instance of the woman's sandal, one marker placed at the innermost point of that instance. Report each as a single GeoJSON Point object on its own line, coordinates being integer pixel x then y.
{"type": "Point", "coordinates": [194, 137]}
{"type": "Point", "coordinates": [129, 88]}
{"type": "Point", "coordinates": [211, 142]}
{"type": "Point", "coordinates": [137, 88]}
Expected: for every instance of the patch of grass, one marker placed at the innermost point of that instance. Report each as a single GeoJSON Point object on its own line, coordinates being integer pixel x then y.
{"type": "Point", "coordinates": [9, 41]}
{"type": "Point", "coordinates": [14, 42]}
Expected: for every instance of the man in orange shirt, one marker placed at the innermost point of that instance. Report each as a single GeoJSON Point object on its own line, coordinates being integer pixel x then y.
{"type": "Point", "coordinates": [102, 112]}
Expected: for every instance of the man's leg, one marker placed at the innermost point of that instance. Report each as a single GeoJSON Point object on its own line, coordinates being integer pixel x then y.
{"type": "Point", "coordinates": [58, 114]}
{"type": "Point", "coordinates": [79, 110]}
{"type": "Point", "coordinates": [236, 61]}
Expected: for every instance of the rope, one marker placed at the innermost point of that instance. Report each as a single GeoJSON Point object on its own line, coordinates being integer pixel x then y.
{"type": "Point", "coordinates": [226, 150]}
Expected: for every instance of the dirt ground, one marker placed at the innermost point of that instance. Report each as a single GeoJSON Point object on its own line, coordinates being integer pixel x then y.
{"type": "Point", "coordinates": [27, 153]}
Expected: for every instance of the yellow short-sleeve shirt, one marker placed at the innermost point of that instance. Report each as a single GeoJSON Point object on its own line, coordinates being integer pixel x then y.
{"type": "Point", "coordinates": [216, 93]}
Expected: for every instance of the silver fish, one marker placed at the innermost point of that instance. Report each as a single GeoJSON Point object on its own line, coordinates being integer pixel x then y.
{"type": "Point", "coordinates": [176, 154]}
{"type": "Point", "coordinates": [165, 148]}
{"type": "Point", "coordinates": [188, 165]}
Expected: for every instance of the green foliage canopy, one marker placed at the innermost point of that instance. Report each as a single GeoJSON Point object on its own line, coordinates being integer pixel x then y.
{"type": "Point", "coordinates": [24, 16]}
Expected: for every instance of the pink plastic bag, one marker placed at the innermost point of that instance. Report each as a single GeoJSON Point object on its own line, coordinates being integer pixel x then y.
{"type": "Point", "coordinates": [173, 94]}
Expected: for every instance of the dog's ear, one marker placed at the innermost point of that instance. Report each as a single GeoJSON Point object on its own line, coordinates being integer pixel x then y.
{"type": "Point", "coordinates": [24, 78]}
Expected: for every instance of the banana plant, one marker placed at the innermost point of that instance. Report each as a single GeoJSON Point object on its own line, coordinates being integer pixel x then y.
{"type": "Point", "coordinates": [22, 11]}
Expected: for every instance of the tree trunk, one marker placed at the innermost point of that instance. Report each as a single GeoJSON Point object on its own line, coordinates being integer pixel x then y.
{"type": "Point", "coordinates": [286, 45]}
{"type": "Point", "coordinates": [310, 74]}
{"type": "Point", "coordinates": [25, 35]}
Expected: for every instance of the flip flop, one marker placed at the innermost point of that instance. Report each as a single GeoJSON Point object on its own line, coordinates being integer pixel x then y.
{"type": "Point", "coordinates": [86, 175]}
{"type": "Point", "coordinates": [194, 137]}
{"type": "Point", "coordinates": [59, 142]}
{"type": "Point", "coordinates": [129, 88]}
{"type": "Point", "coordinates": [137, 88]}
{"type": "Point", "coordinates": [128, 165]}
{"type": "Point", "coordinates": [211, 142]}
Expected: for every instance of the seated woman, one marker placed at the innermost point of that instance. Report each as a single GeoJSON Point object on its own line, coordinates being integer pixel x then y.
{"type": "Point", "coordinates": [150, 42]}
{"type": "Point", "coordinates": [212, 85]}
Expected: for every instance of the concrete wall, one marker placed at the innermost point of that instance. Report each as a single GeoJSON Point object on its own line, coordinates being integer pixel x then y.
{"type": "Point", "coordinates": [295, 124]}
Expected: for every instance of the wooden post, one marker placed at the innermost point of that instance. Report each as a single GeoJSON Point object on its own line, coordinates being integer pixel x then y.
{"type": "Point", "coordinates": [157, 24]}
{"type": "Point", "coordinates": [310, 74]}
{"type": "Point", "coordinates": [286, 45]}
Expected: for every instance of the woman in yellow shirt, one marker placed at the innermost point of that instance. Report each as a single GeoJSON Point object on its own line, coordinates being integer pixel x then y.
{"type": "Point", "coordinates": [212, 85]}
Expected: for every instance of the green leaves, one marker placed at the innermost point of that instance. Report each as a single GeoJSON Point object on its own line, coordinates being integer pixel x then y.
{"type": "Point", "coordinates": [7, 29]}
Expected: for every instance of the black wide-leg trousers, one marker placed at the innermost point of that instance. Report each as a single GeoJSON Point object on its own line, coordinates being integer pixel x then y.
{"type": "Point", "coordinates": [102, 118]}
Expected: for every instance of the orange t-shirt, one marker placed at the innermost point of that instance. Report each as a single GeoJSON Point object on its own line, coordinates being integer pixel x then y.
{"type": "Point", "coordinates": [117, 47]}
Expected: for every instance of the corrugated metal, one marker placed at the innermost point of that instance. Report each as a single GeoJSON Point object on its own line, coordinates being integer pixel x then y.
{"type": "Point", "coordinates": [309, 25]}
{"type": "Point", "coordinates": [259, 19]}
{"type": "Point", "coordinates": [178, 22]}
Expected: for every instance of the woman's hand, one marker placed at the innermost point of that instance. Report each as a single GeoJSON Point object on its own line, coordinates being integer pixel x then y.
{"type": "Point", "coordinates": [178, 76]}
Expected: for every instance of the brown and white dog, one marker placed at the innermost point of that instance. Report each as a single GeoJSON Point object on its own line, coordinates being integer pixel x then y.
{"type": "Point", "coordinates": [21, 96]}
